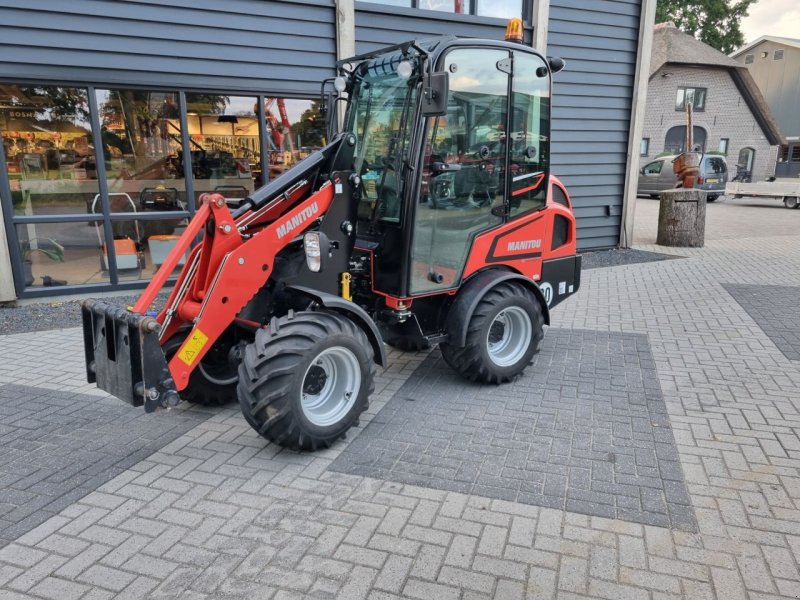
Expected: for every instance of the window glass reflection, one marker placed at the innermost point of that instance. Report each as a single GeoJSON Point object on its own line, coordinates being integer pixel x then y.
{"type": "Point", "coordinates": [295, 128]}
{"type": "Point", "coordinates": [47, 138]}
{"type": "Point", "coordinates": [502, 9]}
{"type": "Point", "coordinates": [453, 6]}
{"type": "Point", "coordinates": [141, 138]}
{"type": "Point", "coordinates": [57, 254]}
{"type": "Point", "coordinates": [224, 142]}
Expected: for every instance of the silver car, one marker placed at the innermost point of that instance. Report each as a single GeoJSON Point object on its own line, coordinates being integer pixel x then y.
{"type": "Point", "coordinates": [657, 176]}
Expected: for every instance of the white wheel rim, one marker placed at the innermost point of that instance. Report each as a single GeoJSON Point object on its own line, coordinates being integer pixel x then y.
{"type": "Point", "coordinates": [509, 336]}
{"type": "Point", "coordinates": [330, 386]}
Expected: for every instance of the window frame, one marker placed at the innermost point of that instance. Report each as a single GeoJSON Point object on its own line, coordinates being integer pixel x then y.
{"type": "Point", "coordinates": [778, 54]}
{"type": "Point", "coordinates": [724, 144]}
{"type": "Point", "coordinates": [644, 144]}
{"type": "Point", "coordinates": [681, 106]}
{"type": "Point", "coordinates": [749, 59]}
{"type": "Point", "coordinates": [115, 283]}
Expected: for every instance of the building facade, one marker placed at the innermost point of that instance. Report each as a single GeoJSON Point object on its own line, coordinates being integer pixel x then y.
{"type": "Point", "coordinates": [774, 63]}
{"type": "Point", "coordinates": [729, 116]}
{"type": "Point", "coordinates": [116, 115]}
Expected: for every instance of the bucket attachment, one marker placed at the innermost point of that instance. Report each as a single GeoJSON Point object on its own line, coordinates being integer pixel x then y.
{"type": "Point", "coordinates": [124, 356]}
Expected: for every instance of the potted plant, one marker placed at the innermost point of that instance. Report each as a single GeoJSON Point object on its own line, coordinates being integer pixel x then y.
{"type": "Point", "coordinates": [55, 253]}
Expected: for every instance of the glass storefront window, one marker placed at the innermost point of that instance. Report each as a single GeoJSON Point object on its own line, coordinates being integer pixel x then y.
{"type": "Point", "coordinates": [295, 128]}
{"type": "Point", "coordinates": [142, 246]}
{"type": "Point", "coordinates": [225, 144]}
{"type": "Point", "coordinates": [58, 254]}
{"type": "Point", "coordinates": [452, 6]}
{"type": "Point", "coordinates": [47, 138]}
{"type": "Point", "coordinates": [501, 9]}
{"type": "Point", "coordinates": [142, 146]}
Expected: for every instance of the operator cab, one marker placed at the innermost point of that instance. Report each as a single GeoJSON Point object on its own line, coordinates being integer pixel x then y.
{"type": "Point", "coordinates": [453, 140]}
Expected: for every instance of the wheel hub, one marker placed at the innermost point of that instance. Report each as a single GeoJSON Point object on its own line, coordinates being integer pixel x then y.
{"type": "Point", "coordinates": [509, 336]}
{"type": "Point", "coordinates": [315, 380]}
{"type": "Point", "coordinates": [330, 386]}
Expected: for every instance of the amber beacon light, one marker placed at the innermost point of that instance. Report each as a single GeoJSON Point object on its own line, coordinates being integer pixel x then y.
{"type": "Point", "coordinates": [514, 30]}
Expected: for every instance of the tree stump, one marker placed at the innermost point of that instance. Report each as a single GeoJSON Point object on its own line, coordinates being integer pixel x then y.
{"type": "Point", "coordinates": [682, 218]}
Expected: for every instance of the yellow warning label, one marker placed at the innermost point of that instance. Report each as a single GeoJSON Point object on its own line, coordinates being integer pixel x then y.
{"type": "Point", "coordinates": [192, 347]}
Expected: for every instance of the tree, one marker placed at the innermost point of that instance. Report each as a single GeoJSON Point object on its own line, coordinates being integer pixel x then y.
{"type": "Point", "coordinates": [311, 126]}
{"type": "Point", "coordinates": [715, 22]}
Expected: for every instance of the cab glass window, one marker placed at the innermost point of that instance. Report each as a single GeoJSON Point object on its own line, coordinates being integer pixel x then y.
{"type": "Point", "coordinates": [462, 179]}
{"type": "Point", "coordinates": [530, 133]}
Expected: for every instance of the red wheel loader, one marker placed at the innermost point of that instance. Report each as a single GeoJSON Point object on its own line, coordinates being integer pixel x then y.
{"type": "Point", "coordinates": [431, 218]}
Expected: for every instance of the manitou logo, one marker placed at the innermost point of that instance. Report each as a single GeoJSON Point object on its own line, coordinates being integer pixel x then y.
{"type": "Point", "coordinates": [524, 245]}
{"type": "Point", "coordinates": [298, 220]}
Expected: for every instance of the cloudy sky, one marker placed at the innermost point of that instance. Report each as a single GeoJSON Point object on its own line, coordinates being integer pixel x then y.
{"type": "Point", "coordinates": [772, 17]}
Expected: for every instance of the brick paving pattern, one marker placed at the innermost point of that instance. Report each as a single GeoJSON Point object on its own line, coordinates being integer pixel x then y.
{"type": "Point", "coordinates": [774, 308]}
{"type": "Point", "coordinates": [218, 513]}
{"type": "Point", "coordinates": [585, 429]}
{"type": "Point", "coordinates": [56, 447]}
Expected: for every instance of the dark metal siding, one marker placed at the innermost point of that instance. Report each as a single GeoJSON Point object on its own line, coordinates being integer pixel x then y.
{"type": "Point", "coordinates": [284, 47]}
{"type": "Point", "coordinates": [380, 25]}
{"type": "Point", "coordinates": [592, 109]}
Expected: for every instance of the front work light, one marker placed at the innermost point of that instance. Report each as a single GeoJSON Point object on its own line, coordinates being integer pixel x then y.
{"type": "Point", "coordinates": [405, 69]}
{"type": "Point", "coordinates": [514, 30]}
{"type": "Point", "coordinates": [313, 243]}
{"type": "Point", "coordinates": [340, 84]}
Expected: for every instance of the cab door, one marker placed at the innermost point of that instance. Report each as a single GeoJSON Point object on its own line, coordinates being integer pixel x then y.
{"type": "Point", "coordinates": [464, 167]}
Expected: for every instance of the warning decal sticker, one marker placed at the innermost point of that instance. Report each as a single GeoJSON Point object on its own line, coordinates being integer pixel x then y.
{"type": "Point", "coordinates": [192, 347]}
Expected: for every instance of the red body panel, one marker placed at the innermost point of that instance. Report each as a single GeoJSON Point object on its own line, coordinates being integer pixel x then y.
{"type": "Point", "coordinates": [230, 270]}
{"type": "Point", "coordinates": [523, 243]}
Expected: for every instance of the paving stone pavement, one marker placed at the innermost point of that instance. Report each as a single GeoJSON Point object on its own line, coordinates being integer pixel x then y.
{"type": "Point", "coordinates": [584, 429]}
{"type": "Point", "coordinates": [774, 308]}
{"type": "Point", "coordinates": [56, 447]}
{"type": "Point", "coordinates": [219, 513]}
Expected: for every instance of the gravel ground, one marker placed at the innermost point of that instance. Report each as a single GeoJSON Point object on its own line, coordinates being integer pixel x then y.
{"type": "Point", "coordinates": [60, 315]}
{"type": "Point", "coordinates": [617, 257]}
{"type": "Point", "coordinates": [52, 315]}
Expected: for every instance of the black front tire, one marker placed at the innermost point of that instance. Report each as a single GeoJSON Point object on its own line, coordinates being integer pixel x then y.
{"type": "Point", "coordinates": [711, 198]}
{"type": "Point", "coordinates": [213, 381]}
{"type": "Point", "coordinates": [477, 360]}
{"type": "Point", "coordinates": [279, 372]}
{"type": "Point", "coordinates": [791, 202]}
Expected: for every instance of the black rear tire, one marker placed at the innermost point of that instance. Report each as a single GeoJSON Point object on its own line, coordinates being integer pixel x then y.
{"type": "Point", "coordinates": [213, 381]}
{"type": "Point", "coordinates": [791, 202]}
{"type": "Point", "coordinates": [293, 365]}
{"type": "Point", "coordinates": [504, 307]}
{"type": "Point", "coordinates": [711, 198]}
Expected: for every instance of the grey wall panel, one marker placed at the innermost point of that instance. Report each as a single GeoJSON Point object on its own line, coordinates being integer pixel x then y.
{"type": "Point", "coordinates": [592, 109]}
{"type": "Point", "coordinates": [268, 46]}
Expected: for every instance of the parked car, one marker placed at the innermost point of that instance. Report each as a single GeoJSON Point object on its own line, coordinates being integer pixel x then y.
{"type": "Point", "coordinates": [657, 176]}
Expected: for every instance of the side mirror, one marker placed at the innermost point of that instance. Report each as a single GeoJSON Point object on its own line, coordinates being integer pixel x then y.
{"type": "Point", "coordinates": [434, 94]}
{"type": "Point", "coordinates": [556, 64]}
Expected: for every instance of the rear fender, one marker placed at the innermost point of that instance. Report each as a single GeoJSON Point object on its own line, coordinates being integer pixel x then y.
{"type": "Point", "coordinates": [474, 290]}
{"type": "Point", "coordinates": [354, 312]}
